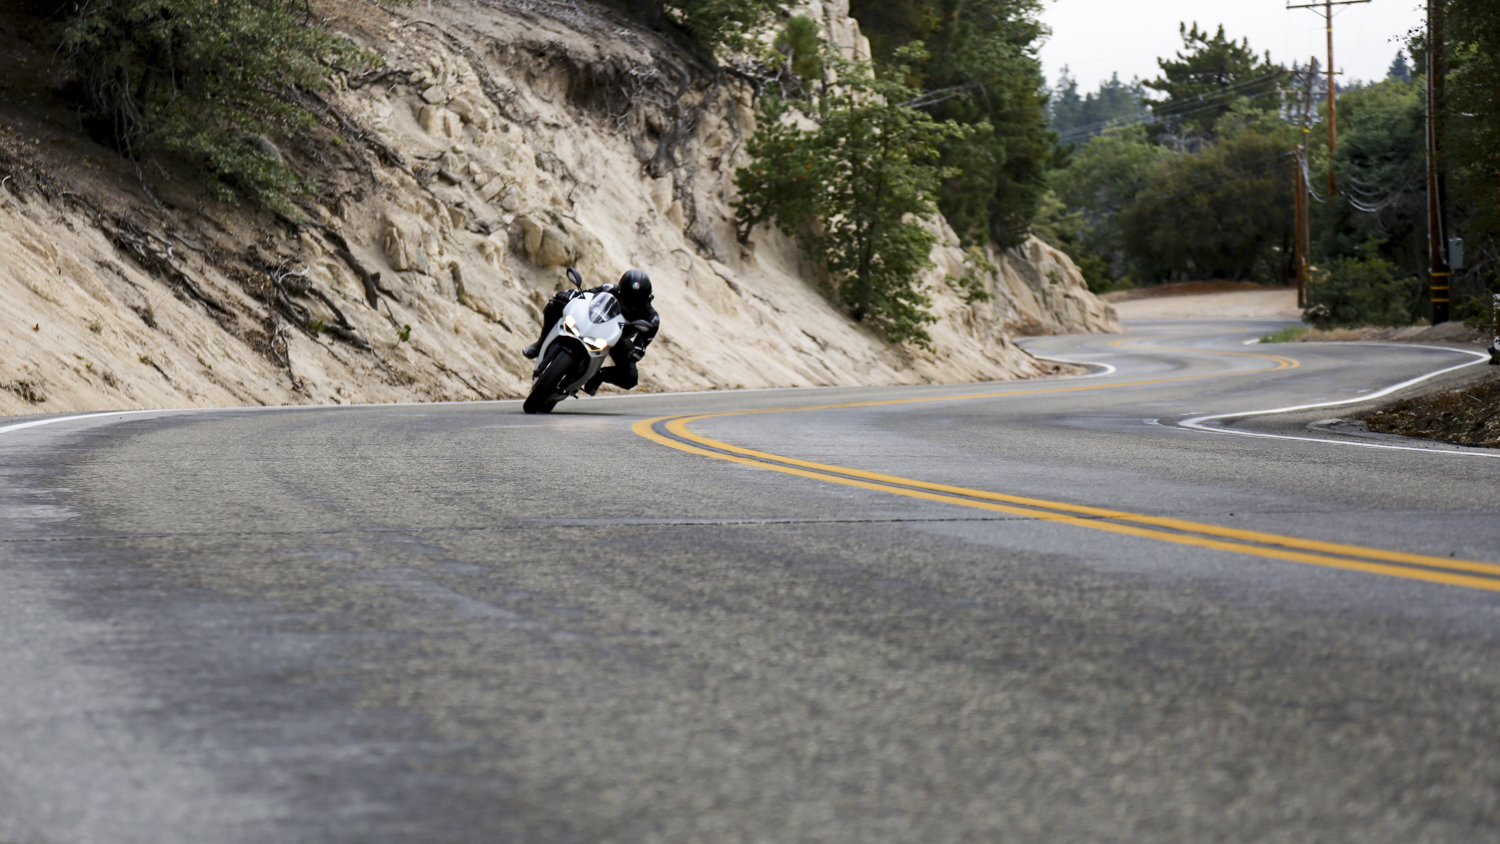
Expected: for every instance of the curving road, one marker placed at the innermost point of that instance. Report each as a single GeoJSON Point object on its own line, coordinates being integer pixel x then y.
{"type": "Point", "coordinates": [1119, 607]}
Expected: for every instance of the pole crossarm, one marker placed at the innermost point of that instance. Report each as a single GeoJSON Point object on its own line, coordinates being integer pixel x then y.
{"type": "Point", "coordinates": [1321, 5]}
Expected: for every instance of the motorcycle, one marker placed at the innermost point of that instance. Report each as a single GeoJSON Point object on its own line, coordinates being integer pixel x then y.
{"type": "Point", "coordinates": [577, 346]}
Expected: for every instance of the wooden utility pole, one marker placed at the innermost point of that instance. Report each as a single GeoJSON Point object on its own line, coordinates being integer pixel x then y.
{"type": "Point", "coordinates": [1303, 236]}
{"type": "Point", "coordinates": [1327, 8]}
{"type": "Point", "coordinates": [1437, 183]}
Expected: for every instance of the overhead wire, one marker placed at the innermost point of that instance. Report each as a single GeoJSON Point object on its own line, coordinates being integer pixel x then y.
{"type": "Point", "coordinates": [1203, 102]}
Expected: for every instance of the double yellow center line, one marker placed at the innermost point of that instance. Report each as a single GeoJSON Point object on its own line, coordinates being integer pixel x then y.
{"type": "Point", "coordinates": [674, 432]}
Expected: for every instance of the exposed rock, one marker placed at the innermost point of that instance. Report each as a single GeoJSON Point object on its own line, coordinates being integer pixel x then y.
{"type": "Point", "coordinates": [512, 146]}
{"type": "Point", "coordinates": [402, 237]}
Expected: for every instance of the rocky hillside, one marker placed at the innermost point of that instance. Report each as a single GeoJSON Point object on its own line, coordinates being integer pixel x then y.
{"type": "Point", "coordinates": [503, 141]}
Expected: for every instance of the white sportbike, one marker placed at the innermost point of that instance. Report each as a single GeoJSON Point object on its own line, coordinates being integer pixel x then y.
{"type": "Point", "coordinates": [576, 347]}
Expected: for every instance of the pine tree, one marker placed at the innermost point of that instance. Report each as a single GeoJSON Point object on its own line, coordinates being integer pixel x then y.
{"type": "Point", "coordinates": [1207, 78]}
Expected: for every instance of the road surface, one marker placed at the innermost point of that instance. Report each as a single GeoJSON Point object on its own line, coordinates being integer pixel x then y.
{"type": "Point", "coordinates": [1116, 607]}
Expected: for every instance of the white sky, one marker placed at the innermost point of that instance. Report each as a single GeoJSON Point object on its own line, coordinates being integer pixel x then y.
{"type": "Point", "coordinates": [1097, 37]}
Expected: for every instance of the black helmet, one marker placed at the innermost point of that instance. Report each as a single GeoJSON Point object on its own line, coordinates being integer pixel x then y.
{"type": "Point", "coordinates": [635, 290]}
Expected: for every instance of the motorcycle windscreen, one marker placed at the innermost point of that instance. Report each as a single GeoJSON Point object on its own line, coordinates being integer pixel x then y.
{"type": "Point", "coordinates": [604, 308]}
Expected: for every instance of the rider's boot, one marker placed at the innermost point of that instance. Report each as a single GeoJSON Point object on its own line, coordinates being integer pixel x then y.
{"type": "Point", "coordinates": [533, 350]}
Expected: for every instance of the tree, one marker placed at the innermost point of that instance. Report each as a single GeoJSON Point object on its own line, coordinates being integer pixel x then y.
{"type": "Point", "coordinates": [209, 80]}
{"type": "Point", "coordinates": [715, 24]}
{"type": "Point", "coordinates": [1380, 165]}
{"type": "Point", "coordinates": [1214, 214]}
{"type": "Point", "coordinates": [854, 188]}
{"type": "Point", "coordinates": [981, 71]}
{"type": "Point", "coordinates": [1363, 290]}
{"type": "Point", "coordinates": [1076, 118]}
{"type": "Point", "coordinates": [1207, 78]}
{"type": "Point", "coordinates": [1103, 176]}
{"type": "Point", "coordinates": [800, 40]}
{"type": "Point", "coordinates": [1399, 70]}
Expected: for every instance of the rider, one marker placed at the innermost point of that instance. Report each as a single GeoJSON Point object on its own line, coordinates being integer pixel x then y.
{"type": "Point", "coordinates": [634, 294]}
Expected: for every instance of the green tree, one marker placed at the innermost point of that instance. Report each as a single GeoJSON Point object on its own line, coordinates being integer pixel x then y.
{"type": "Point", "coordinates": [1208, 77]}
{"type": "Point", "coordinates": [801, 42]}
{"type": "Point", "coordinates": [1076, 119]}
{"type": "Point", "coordinates": [1473, 149]}
{"type": "Point", "coordinates": [854, 188]}
{"type": "Point", "coordinates": [209, 80]}
{"type": "Point", "coordinates": [1220, 213]}
{"type": "Point", "coordinates": [1103, 176]}
{"type": "Point", "coordinates": [717, 25]}
{"type": "Point", "coordinates": [981, 71]}
{"type": "Point", "coordinates": [1363, 290]}
{"type": "Point", "coordinates": [1474, 110]}
{"type": "Point", "coordinates": [1380, 165]}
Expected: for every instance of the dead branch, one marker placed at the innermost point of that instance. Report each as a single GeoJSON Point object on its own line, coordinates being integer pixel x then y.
{"type": "Point", "coordinates": [154, 254]}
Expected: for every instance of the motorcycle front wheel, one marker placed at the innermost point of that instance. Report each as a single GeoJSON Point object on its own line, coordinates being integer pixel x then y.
{"type": "Point", "coordinates": [546, 385]}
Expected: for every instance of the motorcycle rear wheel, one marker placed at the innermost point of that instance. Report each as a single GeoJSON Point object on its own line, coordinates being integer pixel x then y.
{"type": "Point", "coordinates": [540, 400]}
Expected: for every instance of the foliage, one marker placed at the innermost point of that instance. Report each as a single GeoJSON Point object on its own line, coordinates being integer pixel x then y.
{"type": "Point", "coordinates": [1380, 166]}
{"type": "Point", "coordinates": [1103, 176]}
{"type": "Point", "coordinates": [717, 25]}
{"type": "Point", "coordinates": [1076, 118]}
{"type": "Point", "coordinates": [854, 187]}
{"type": "Point", "coordinates": [1400, 69]}
{"type": "Point", "coordinates": [971, 283]}
{"type": "Point", "coordinates": [801, 42]}
{"type": "Point", "coordinates": [981, 71]}
{"type": "Point", "coordinates": [1214, 214]}
{"type": "Point", "coordinates": [1363, 290]}
{"type": "Point", "coordinates": [1205, 80]}
{"type": "Point", "coordinates": [1473, 143]}
{"type": "Point", "coordinates": [205, 79]}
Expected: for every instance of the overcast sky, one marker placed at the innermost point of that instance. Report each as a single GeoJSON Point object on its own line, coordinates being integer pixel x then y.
{"type": "Point", "coordinates": [1098, 37]}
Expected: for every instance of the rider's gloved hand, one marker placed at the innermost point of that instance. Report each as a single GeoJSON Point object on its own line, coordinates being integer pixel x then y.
{"type": "Point", "coordinates": [636, 353]}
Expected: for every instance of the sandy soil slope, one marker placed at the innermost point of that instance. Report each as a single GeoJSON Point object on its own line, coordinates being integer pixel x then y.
{"type": "Point", "coordinates": [502, 141]}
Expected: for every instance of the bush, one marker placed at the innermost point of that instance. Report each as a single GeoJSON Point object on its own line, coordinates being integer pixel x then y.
{"type": "Point", "coordinates": [1363, 290]}
{"type": "Point", "coordinates": [854, 190]}
{"type": "Point", "coordinates": [210, 80]}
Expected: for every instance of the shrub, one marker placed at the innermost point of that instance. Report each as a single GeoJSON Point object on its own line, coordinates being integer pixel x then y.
{"type": "Point", "coordinates": [209, 80]}
{"type": "Point", "coordinates": [1363, 290]}
{"type": "Point", "coordinates": [854, 189]}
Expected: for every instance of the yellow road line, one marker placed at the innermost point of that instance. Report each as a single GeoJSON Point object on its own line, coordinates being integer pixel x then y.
{"type": "Point", "coordinates": [1179, 531]}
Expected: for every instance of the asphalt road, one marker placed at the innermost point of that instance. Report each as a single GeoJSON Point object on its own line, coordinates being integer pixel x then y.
{"type": "Point", "coordinates": [1032, 611]}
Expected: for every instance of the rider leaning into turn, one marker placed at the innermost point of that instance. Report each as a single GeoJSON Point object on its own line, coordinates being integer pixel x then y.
{"type": "Point", "coordinates": [634, 293]}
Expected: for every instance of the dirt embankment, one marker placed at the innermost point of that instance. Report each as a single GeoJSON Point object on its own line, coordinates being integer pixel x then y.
{"type": "Point", "coordinates": [503, 141]}
{"type": "Point", "coordinates": [1467, 415]}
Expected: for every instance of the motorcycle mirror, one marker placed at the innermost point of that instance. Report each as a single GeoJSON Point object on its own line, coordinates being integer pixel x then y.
{"type": "Point", "coordinates": [574, 277]}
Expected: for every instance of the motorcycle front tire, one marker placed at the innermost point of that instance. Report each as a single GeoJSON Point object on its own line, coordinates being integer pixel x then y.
{"type": "Point", "coordinates": [540, 400]}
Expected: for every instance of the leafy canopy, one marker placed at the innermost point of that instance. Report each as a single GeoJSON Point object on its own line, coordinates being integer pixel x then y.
{"type": "Point", "coordinates": [980, 70]}
{"type": "Point", "coordinates": [1363, 290]}
{"type": "Point", "coordinates": [1205, 80]}
{"type": "Point", "coordinates": [727, 25]}
{"type": "Point", "coordinates": [1076, 118]}
{"type": "Point", "coordinates": [852, 176]}
{"type": "Point", "coordinates": [205, 79]}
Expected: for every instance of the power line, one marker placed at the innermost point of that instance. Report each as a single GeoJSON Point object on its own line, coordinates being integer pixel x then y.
{"type": "Point", "coordinates": [1203, 102]}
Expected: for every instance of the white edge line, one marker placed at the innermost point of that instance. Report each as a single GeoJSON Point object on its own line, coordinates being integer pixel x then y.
{"type": "Point", "coordinates": [1197, 422]}
{"type": "Point", "coordinates": [74, 417]}
{"type": "Point", "coordinates": [1108, 369]}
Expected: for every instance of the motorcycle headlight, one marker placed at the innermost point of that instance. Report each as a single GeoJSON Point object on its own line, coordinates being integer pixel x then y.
{"type": "Point", "coordinates": [570, 326]}
{"type": "Point", "coordinates": [594, 344]}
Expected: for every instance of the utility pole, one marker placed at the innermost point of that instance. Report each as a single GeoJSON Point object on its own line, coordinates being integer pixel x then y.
{"type": "Point", "coordinates": [1327, 7]}
{"type": "Point", "coordinates": [1303, 236]}
{"type": "Point", "coordinates": [1437, 183]}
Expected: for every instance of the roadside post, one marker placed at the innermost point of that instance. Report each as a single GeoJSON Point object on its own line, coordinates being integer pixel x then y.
{"type": "Point", "coordinates": [1495, 332]}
